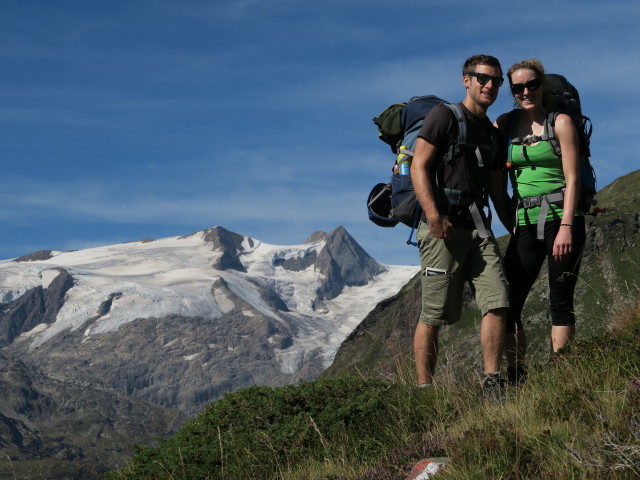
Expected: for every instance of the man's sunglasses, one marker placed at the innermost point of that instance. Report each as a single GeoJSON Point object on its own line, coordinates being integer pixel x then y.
{"type": "Point", "coordinates": [483, 79]}
{"type": "Point", "coordinates": [518, 88]}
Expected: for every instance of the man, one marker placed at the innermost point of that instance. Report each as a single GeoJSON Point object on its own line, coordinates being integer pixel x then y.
{"type": "Point", "coordinates": [455, 244]}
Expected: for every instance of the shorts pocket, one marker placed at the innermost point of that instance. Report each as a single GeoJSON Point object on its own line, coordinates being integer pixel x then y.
{"type": "Point", "coordinates": [435, 292]}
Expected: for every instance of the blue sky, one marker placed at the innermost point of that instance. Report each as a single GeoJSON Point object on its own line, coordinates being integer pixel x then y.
{"type": "Point", "coordinates": [128, 120]}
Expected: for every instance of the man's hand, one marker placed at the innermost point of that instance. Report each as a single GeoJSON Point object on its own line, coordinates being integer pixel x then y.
{"type": "Point", "coordinates": [440, 227]}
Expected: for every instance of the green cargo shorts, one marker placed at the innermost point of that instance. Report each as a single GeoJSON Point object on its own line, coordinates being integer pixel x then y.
{"type": "Point", "coordinates": [447, 265]}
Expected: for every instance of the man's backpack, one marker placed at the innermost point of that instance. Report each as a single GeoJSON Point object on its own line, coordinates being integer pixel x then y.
{"type": "Point", "coordinates": [398, 126]}
{"type": "Point", "coordinates": [566, 99]}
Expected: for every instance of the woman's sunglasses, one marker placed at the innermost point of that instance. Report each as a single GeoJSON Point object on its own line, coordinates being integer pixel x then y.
{"type": "Point", "coordinates": [518, 88]}
{"type": "Point", "coordinates": [483, 79]}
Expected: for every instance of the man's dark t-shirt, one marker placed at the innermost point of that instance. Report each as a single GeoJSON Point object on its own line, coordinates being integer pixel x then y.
{"type": "Point", "coordinates": [440, 129]}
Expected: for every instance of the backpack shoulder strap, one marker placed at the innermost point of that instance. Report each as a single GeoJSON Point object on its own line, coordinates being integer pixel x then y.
{"type": "Point", "coordinates": [461, 141]}
{"type": "Point", "coordinates": [462, 122]}
{"type": "Point", "coordinates": [550, 132]}
{"type": "Point", "coordinates": [454, 148]}
{"type": "Point", "coordinates": [583, 126]}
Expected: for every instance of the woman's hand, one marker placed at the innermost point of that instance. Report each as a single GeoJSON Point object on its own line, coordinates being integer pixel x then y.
{"type": "Point", "coordinates": [563, 243]}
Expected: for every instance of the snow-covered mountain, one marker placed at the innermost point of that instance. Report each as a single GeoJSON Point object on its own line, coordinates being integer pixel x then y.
{"type": "Point", "coordinates": [180, 321]}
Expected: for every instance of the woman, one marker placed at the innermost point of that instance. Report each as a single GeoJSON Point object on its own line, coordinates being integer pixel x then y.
{"type": "Point", "coordinates": [538, 177]}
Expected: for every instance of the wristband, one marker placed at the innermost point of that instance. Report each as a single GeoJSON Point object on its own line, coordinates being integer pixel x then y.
{"type": "Point", "coordinates": [566, 225]}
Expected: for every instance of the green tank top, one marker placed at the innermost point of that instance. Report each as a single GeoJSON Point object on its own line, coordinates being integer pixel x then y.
{"type": "Point", "coordinates": [535, 170]}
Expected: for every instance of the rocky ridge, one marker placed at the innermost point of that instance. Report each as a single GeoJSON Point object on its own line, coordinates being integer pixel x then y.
{"type": "Point", "coordinates": [81, 430]}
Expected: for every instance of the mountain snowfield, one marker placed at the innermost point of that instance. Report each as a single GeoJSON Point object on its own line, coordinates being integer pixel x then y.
{"type": "Point", "coordinates": [118, 284]}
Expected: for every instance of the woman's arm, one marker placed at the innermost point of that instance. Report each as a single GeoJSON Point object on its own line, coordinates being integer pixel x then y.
{"type": "Point", "coordinates": [568, 138]}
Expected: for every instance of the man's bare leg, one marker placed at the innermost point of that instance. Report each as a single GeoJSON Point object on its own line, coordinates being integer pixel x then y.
{"type": "Point", "coordinates": [492, 330]}
{"type": "Point", "coordinates": [425, 351]}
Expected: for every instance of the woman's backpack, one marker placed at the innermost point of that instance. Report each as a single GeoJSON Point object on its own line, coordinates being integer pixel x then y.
{"type": "Point", "coordinates": [566, 99]}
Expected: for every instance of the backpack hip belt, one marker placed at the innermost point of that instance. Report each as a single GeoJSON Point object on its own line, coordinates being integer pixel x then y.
{"type": "Point", "coordinates": [544, 202]}
{"type": "Point", "coordinates": [460, 198]}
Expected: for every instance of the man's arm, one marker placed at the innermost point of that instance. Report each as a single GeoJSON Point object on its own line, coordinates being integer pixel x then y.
{"type": "Point", "coordinates": [424, 155]}
{"type": "Point", "coordinates": [496, 181]}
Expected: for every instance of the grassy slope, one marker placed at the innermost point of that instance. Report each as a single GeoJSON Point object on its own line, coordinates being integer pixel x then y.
{"type": "Point", "coordinates": [565, 422]}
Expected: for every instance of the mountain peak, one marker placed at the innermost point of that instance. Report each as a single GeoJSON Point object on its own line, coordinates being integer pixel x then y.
{"type": "Point", "coordinates": [317, 236]}
{"type": "Point", "coordinates": [230, 244]}
{"type": "Point", "coordinates": [345, 263]}
{"type": "Point", "coordinates": [35, 256]}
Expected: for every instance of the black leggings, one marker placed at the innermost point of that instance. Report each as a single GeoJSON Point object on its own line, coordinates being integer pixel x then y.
{"type": "Point", "coordinates": [523, 261]}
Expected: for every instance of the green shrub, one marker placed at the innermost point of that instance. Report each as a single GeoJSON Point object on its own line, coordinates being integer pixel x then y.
{"type": "Point", "coordinates": [257, 431]}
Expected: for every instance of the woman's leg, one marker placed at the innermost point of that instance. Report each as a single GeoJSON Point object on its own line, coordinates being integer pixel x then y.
{"type": "Point", "coordinates": [563, 276]}
{"type": "Point", "coordinates": [523, 260]}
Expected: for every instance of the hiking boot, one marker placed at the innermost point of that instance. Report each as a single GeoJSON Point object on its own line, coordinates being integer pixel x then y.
{"type": "Point", "coordinates": [493, 389]}
{"type": "Point", "coordinates": [516, 375]}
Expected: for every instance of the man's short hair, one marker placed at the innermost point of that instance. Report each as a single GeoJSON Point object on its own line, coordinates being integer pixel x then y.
{"type": "Point", "coordinates": [472, 62]}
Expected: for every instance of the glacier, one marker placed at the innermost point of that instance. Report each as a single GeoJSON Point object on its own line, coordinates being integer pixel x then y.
{"type": "Point", "coordinates": [176, 276]}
